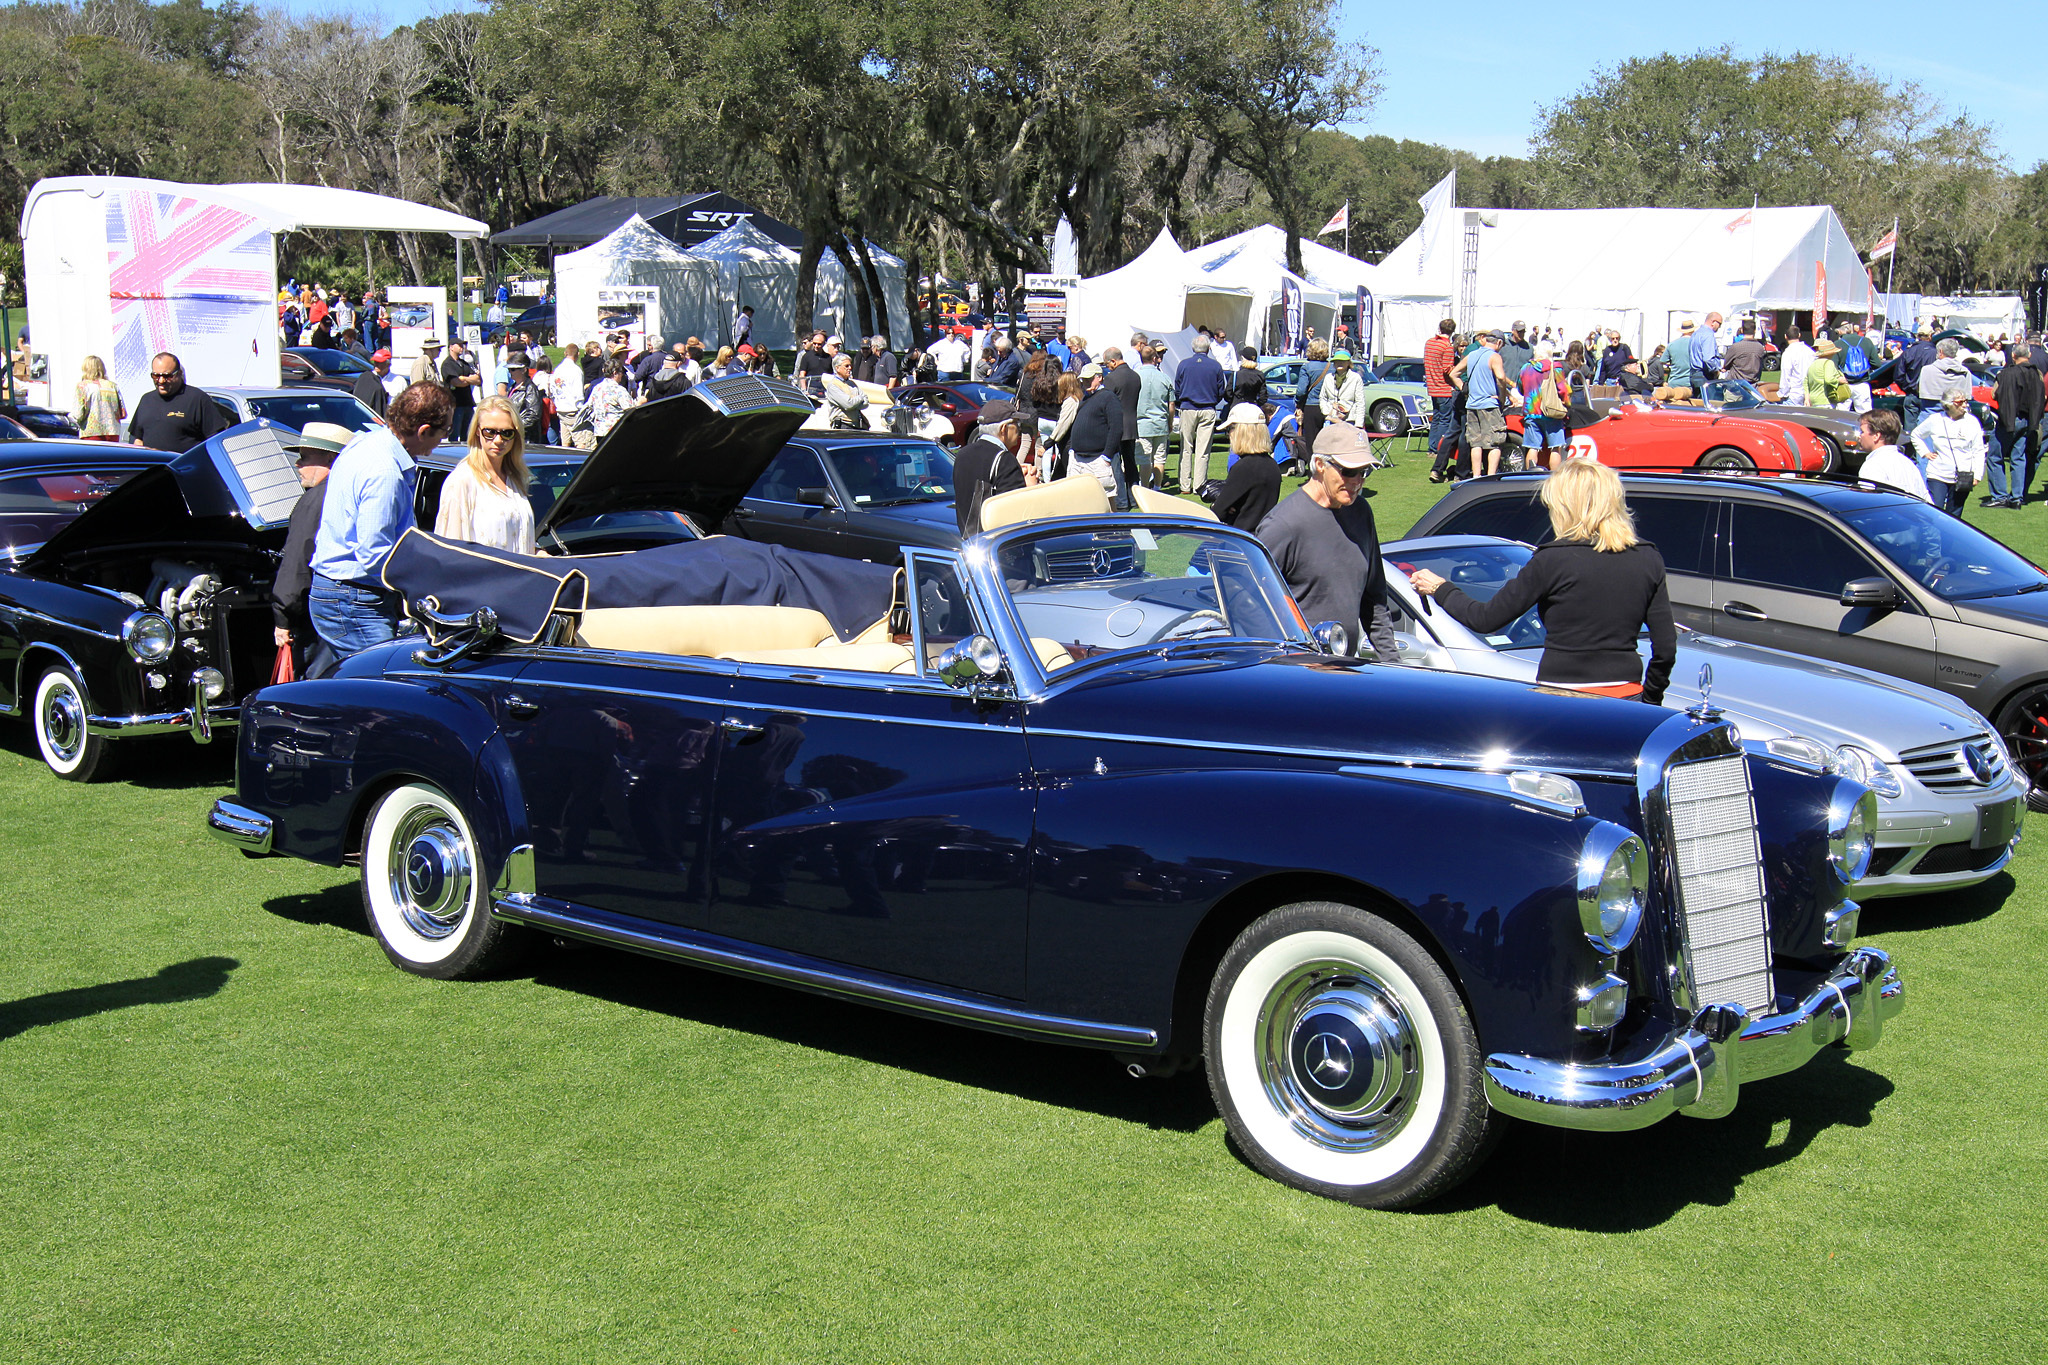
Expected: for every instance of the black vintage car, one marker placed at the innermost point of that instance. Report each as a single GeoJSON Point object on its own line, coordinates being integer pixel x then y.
{"type": "Point", "coordinates": [135, 593]}
{"type": "Point", "coordinates": [1006, 785]}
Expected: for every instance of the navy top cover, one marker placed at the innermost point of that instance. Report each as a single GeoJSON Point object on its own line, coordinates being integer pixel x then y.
{"type": "Point", "coordinates": [720, 571]}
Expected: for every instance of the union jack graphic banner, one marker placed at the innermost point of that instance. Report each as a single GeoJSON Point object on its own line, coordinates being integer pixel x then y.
{"type": "Point", "coordinates": [193, 278]}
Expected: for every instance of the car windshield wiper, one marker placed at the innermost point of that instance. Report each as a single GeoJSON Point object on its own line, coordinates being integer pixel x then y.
{"type": "Point", "coordinates": [2040, 585]}
{"type": "Point", "coordinates": [914, 497]}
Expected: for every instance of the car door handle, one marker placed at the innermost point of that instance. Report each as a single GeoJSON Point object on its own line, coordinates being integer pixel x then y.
{"type": "Point", "coordinates": [743, 511]}
{"type": "Point", "coordinates": [520, 706]}
{"type": "Point", "coordinates": [1742, 611]}
{"type": "Point", "coordinates": [743, 729]}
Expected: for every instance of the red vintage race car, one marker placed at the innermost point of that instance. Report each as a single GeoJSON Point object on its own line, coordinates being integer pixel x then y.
{"type": "Point", "coordinates": [1636, 435]}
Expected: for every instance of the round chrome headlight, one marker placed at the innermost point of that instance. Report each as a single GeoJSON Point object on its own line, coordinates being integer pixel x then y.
{"type": "Point", "coordinates": [149, 637]}
{"type": "Point", "coordinates": [1867, 768]}
{"type": "Point", "coordinates": [1614, 886]}
{"type": "Point", "coordinates": [1852, 830]}
{"type": "Point", "coordinates": [209, 683]}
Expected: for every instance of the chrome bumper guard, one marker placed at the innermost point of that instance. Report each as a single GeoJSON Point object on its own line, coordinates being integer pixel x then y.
{"type": "Point", "coordinates": [199, 722]}
{"type": "Point", "coordinates": [246, 829]}
{"type": "Point", "coordinates": [1700, 1070]}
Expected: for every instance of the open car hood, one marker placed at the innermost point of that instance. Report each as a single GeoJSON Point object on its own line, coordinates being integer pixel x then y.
{"type": "Point", "coordinates": [697, 453]}
{"type": "Point", "coordinates": [236, 486]}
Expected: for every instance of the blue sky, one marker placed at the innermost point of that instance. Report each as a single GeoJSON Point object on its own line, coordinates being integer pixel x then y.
{"type": "Point", "coordinates": [1447, 80]}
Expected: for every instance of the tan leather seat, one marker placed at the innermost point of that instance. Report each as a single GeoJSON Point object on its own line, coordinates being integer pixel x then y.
{"type": "Point", "coordinates": [1051, 653]}
{"type": "Point", "coordinates": [709, 631]}
{"type": "Point", "coordinates": [1061, 498]}
{"type": "Point", "coordinates": [1166, 504]}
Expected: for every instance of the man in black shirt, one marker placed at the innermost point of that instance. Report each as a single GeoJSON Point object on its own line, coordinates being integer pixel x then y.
{"type": "Point", "coordinates": [811, 365]}
{"type": "Point", "coordinates": [460, 377]}
{"type": "Point", "coordinates": [994, 462]}
{"type": "Point", "coordinates": [176, 416]}
{"type": "Point", "coordinates": [370, 384]}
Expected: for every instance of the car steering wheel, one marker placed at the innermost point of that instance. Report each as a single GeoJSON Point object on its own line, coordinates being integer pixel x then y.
{"type": "Point", "coordinates": [1938, 570]}
{"type": "Point", "coordinates": [1175, 629]}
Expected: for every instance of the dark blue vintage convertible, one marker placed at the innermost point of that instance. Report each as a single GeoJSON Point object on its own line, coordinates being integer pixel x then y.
{"type": "Point", "coordinates": [1091, 779]}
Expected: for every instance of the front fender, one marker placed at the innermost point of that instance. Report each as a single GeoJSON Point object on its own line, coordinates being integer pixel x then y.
{"type": "Point", "coordinates": [315, 754]}
{"type": "Point", "coordinates": [1127, 867]}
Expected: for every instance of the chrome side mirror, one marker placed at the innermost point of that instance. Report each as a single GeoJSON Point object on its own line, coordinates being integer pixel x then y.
{"type": "Point", "coordinates": [1331, 638]}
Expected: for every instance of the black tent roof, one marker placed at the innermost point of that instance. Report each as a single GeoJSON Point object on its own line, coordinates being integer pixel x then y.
{"type": "Point", "coordinates": [685, 220]}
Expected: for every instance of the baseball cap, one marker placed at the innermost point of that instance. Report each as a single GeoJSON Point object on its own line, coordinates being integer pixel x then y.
{"type": "Point", "coordinates": [320, 438]}
{"type": "Point", "coordinates": [1091, 371]}
{"type": "Point", "coordinates": [380, 354]}
{"type": "Point", "coordinates": [995, 412]}
{"type": "Point", "coordinates": [1343, 444]}
{"type": "Point", "coordinates": [1249, 413]}
{"type": "Point", "coordinates": [744, 350]}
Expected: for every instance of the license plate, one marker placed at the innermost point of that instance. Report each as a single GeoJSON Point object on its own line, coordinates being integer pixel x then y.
{"type": "Point", "coordinates": [1996, 823]}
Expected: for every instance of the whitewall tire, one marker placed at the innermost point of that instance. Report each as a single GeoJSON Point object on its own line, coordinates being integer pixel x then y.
{"type": "Point", "coordinates": [1343, 1059]}
{"type": "Point", "coordinates": [425, 891]}
{"type": "Point", "coordinates": [59, 715]}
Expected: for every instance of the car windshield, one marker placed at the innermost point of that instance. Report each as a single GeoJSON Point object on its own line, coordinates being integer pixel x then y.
{"type": "Point", "coordinates": [1080, 594]}
{"type": "Point", "coordinates": [1732, 393]}
{"type": "Point", "coordinates": [296, 410]}
{"type": "Point", "coordinates": [1480, 571]}
{"type": "Point", "coordinates": [1944, 554]}
{"type": "Point", "coordinates": [978, 393]}
{"type": "Point", "coordinates": [880, 474]}
{"type": "Point", "coordinates": [331, 361]}
{"type": "Point", "coordinates": [34, 507]}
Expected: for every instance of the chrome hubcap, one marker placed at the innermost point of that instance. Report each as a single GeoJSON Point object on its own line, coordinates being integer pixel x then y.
{"type": "Point", "coordinates": [1338, 1056]}
{"type": "Point", "coordinates": [429, 873]}
{"type": "Point", "coordinates": [64, 722]}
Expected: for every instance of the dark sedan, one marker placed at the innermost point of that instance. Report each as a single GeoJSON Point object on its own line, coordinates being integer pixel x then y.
{"type": "Point", "coordinates": [855, 495]}
{"type": "Point", "coordinates": [319, 365]}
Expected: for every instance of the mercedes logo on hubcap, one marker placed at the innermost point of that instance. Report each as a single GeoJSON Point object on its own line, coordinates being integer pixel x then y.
{"type": "Point", "coordinates": [1329, 1061]}
{"type": "Point", "coordinates": [420, 873]}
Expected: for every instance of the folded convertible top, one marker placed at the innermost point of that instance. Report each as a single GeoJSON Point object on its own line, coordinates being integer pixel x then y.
{"type": "Point", "coordinates": [453, 578]}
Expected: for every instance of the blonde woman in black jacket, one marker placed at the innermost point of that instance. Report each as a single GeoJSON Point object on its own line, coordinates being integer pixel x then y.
{"type": "Point", "coordinates": [1595, 587]}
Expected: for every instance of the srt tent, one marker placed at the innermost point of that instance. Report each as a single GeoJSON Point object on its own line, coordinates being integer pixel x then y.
{"type": "Point", "coordinates": [754, 268]}
{"type": "Point", "coordinates": [687, 220]}
{"type": "Point", "coordinates": [122, 268]}
{"type": "Point", "coordinates": [1641, 270]}
{"type": "Point", "coordinates": [690, 299]}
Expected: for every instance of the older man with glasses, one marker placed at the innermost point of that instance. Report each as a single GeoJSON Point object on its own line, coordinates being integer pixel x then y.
{"type": "Point", "coordinates": [174, 416]}
{"type": "Point", "coordinates": [369, 506]}
{"type": "Point", "coordinates": [1326, 544]}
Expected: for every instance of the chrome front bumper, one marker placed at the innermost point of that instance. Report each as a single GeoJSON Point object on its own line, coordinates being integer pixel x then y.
{"type": "Point", "coordinates": [199, 721]}
{"type": "Point", "coordinates": [246, 829]}
{"type": "Point", "coordinates": [1700, 1070]}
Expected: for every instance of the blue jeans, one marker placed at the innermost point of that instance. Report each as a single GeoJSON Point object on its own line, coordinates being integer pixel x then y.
{"type": "Point", "coordinates": [2010, 457]}
{"type": "Point", "coordinates": [351, 617]}
{"type": "Point", "coordinates": [1441, 430]}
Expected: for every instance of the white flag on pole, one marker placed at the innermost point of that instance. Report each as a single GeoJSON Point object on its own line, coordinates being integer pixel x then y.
{"type": "Point", "coordinates": [1339, 222]}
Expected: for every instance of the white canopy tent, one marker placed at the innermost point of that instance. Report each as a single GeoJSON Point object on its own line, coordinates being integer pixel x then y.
{"type": "Point", "coordinates": [1641, 271]}
{"type": "Point", "coordinates": [835, 309]}
{"type": "Point", "coordinates": [755, 268]}
{"type": "Point", "coordinates": [1984, 316]}
{"type": "Point", "coordinates": [122, 267]}
{"type": "Point", "coordinates": [1257, 259]}
{"type": "Point", "coordinates": [1158, 293]}
{"type": "Point", "coordinates": [689, 293]}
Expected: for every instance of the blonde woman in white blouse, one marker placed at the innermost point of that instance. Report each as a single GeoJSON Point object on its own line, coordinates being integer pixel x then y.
{"type": "Point", "coordinates": [484, 499]}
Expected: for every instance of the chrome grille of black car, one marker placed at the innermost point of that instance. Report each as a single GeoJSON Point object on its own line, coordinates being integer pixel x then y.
{"type": "Point", "coordinates": [1949, 767]}
{"type": "Point", "coordinates": [752, 393]}
{"type": "Point", "coordinates": [1720, 882]}
{"type": "Point", "coordinates": [1108, 559]}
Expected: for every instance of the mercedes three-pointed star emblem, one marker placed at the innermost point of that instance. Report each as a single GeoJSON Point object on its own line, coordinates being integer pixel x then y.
{"type": "Point", "coordinates": [1329, 1060]}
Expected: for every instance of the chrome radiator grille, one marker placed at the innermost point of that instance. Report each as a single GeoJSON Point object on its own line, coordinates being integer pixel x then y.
{"type": "Point", "coordinates": [1955, 767]}
{"type": "Point", "coordinates": [1720, 882]}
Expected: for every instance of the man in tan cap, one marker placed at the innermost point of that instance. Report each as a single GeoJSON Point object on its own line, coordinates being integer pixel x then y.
{"type": "Point", "coordinates": [1323, 539]}
{"type": "Point", "coordinates": [313, 452]}
{"type": "Point", "coordinates": [426, 368]}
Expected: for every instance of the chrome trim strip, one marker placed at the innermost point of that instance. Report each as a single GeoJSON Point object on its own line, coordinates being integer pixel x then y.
{"type": "Point", "coordinates": [936, 690]}
{"type": "Point", "coordinates": [1691, 1072]}
{"type": "Point", "coordinates": [1486, 782]}
{"type": "Point", "coordinates": [246, 829]}
{"type": "Point", "coordinates": [113, 635]}
{"type": "Point", "coordinates": [1404, 762]}
{"type": "Point", "coordinates": [161, 722]}
{"type": "Point", "coordinates": [807, 973]}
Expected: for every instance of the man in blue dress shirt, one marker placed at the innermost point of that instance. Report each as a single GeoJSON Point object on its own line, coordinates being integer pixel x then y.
{"type": "Point", "coordinates": [369, 506]}
{"type": "Point", "coordinates": [1199, 386]}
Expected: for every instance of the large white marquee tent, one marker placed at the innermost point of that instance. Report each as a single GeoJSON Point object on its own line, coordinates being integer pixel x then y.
{"type": "Point", "coordinates": [635, 254]}
{"type": "Point", "coordinates": [1641, 271]}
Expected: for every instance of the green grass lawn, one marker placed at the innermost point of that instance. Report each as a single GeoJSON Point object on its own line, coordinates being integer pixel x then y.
{"type": "Point", "coordinates": [232, 1132]}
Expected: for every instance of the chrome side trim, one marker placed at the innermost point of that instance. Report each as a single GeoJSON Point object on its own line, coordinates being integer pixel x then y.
{"type": "Point", "coordinates": [807, 973]}
{"type": "Point", "coordinates": [162, 722]}
{"type": "Point", "coordinates": [1487, 782]}
{"type": "Point", "coordinates": [1700, 1069]}
{"type": "Point", "coordinates": [32, 613]}
{"type": "Point", "coordinates": [246, 829]}
{"type": "Point", "coordinates": [1404, 763]}
{"type": "Point", "coordinates": [20, 707]}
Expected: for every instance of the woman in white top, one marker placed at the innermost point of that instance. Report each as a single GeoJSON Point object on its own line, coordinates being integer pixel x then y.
{"type": "Point", "coordinates": [484, 499]}
{"type": "Point", "coordinates": [1952, 443]}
